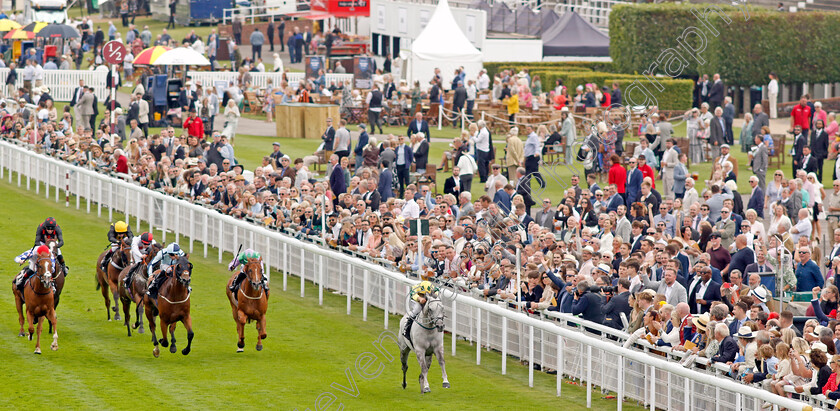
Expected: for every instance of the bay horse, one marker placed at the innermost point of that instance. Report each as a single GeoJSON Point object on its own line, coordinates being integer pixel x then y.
{"type": "Point", "coordinates": [426, 339]}
{"type": "Point", "coordinates": [108, 280]}
{"type": "Point", "coordinates": [39, 299]}
{"type": "Point", "coordinates": [250, 302]}
{"type": "Point", "coordinates": [173, 305]}
{"type": "Point", "coordinates": [137, 289]}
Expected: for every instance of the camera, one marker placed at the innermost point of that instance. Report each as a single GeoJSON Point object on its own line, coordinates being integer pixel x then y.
{"type": "Point", "coordinates": [611, 289]}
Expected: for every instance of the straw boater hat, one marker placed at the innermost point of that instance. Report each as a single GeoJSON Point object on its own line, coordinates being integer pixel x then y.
{"type": "Point", "coordinates": [701, 321]}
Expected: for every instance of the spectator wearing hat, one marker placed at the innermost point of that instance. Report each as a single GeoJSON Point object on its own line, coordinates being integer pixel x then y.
{"type": "Point", "coordinates": [276, 154]}
{"type": "Point", "coordinates": [286, 169]}
{"type": "Point", "coordinates": [194, 125]}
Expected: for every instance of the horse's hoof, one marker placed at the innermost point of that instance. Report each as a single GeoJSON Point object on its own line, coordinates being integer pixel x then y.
{"type": "Point", "coordinates": [156, 352]}
{"type": "Point", "coordinates": [141, 330]}
{"type": "Point", "coordinates": [22, 334]}
{"type": "Point", "coordinates": [54, 346]}
{"type": "Point", "coordinates": [38, 351]}
{"type": "Point", "coordinates": [185, 351]}
{"type": "Point", "coordinates": [259, 347]}
{"type": "Point", "coordinates": [446, 385]}
{"type": "Point", "coordinates": [403, 385]}
{"type": "Point", "coordinates": [129, 333]}
{"type": "Point", "coordinates": [164, 343]}
{"type": "Point", "coordinates": [172, 349]}
{"type": "Point", "coordinates": [426, 389]}
{"type": "Point", "coordinates": [30, 337]}
{"type": "Point", "coordinates": [263, 336]}
{"type": "Point", "coordinates": [240, 349]}
{"type": "Point", "coordinates": [135, 325]}
{"type": "Point", "coordinates": [116, 317]}
{"type": "Point", "coordinates": [240, 344]}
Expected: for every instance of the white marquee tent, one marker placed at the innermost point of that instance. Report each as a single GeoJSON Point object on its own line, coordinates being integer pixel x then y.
{"type": "Point", "coordinates": [442, 44]}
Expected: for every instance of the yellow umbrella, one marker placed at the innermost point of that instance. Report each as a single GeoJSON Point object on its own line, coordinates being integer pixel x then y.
{"type": "Point", "coordinates": [8, 25]}
{"type": "Point", "coordinates": [35, 27]}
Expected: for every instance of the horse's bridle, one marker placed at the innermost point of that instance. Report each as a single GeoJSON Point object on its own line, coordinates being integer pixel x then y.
{"type": "Point", "coordinates": [257, 285]}
{"type": "Point", "coordinates": [46, 278]}
{"type": "Point", "coordinates": [431, 323]}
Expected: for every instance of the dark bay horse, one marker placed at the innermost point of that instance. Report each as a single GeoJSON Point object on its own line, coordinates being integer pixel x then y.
{"type": "Point", "coordinates": [250, 302]}
{"type": "Point", "coordinates": [109, 280]}
{"type": "Point", "coordinates": [137, 289]}
{"type": "Point", "coordinates": [40, 301]}
{"type": "Point", "coordinates": [173, 305]}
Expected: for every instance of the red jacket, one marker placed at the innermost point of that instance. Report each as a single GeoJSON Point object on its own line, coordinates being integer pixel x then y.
{"type": "Point", "coordinates": [194, 127]}
{"type": "Point", "coordinates": [801, 116]}
{"type": "Point", "coordinates": [647, 171]}
{"type": "Point", "coordinates": [617, 176]}
{"type": "Point", "coordinates": [122, 165]}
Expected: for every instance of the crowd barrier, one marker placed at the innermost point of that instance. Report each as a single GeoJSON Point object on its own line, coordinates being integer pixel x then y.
{"type": "Point", "coordinates": [653, 380]}
{"type": "Point", "coordinates": [62, 83]}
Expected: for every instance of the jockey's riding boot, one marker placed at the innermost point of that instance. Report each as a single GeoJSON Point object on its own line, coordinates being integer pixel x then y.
{"type": "Point", "coordinates": [235, 284]}
{"type": "Point", "coordinates": [265, 283]}
{"type": "Point", "coordinates": [106, 260]}
{"type": "Point", "coordinates": [27, 272]}
{"type": "Point", "coordinates": [60, 259]}
{"type": "Point", "coordinates": [153, 288]}
{"type": "Point", "coordinates": [407, 332]}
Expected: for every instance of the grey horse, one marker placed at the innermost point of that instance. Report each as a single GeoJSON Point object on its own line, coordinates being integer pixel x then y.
{"type": "Point", "coordinates": [426, 339]}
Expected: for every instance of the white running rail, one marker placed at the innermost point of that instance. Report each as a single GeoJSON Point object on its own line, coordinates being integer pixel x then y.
{"type": "Point", "coordinates": [651, 379]}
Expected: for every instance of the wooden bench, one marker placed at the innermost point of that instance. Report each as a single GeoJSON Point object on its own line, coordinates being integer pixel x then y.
{"type": "Point", "coordinates": [777, 159]}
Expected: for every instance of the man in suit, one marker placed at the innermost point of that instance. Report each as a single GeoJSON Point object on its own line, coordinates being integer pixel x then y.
{"type": "Point", "coordinates": [756, 201]}
{"type": "Point", "coordinates": [636, 232]}
{"type": "Point", "coordinates": [673, 291]}
{"type": "Point", "coordinates": [703, 292]}
{"type": "Point", "coordinates": [77, 96]}
{"type": "Point", "coordinates": [545, 216]}
{"type": "Point", "coordinates": [372, 196]}
{"type": "Point", "coordinates": [717, 135]}
{"type": "Point", "coordinates": [728, 346]}
{"type": "Point", "coordinates": [386, 178]}
{"type": "Point", "coordinates": [328, 137]}
{"type": "Point", "coordinates": [800, 140]}
{"type": "Point", "coordinates": [419, 126]}
{"type": "Point", "coordinates": [760, 162]}
{"type": "Point", "coordinates": [453, 184]}
{"type": "Point", "coordinates": [618, 304]}
{"type": "Point", "coordinates": [523, 188]}
{"type": "Point", "coordinates": [84, 107]}
{"type": "Point", "coordinates": [359, 150]}
{"type": "Point", "coordinates": [819, 146]}
{"type": "Point", "coordinates": [587, 304]}
{"type": "Point", "coordinates": [717, 91]}
{"type": "Point", "coordinates": [615, 96]}
{"type": "Point", "coordinates": [459, 99]}
{"type": "Point", "coordinates": [809, 161]}
{"type": "Point", "coordinates": [524, 219]}
{"type": "Point", "coordinates": [421, 153]}
{"type": "Point", "coordinates": [402, 164]}
{"type": "Point", "coordinates": [728, 117]}
{"type": "Point", "coordinates": [465, 206]}
{"type": "Point", "coordinates": [633, 187]}
{"type": "Point", "coordinates": [760, 120]}
{"type": "Point", "coordinates": [337, 183]}
{"type": "Point", "coordinates": [502, 198]}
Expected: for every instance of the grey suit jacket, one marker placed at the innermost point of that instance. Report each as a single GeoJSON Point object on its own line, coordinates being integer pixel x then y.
{"type": "Point", "coordinates": [85, 105]}
{"type": "Point", "coordinates": [717, 132]}
{"type": "Point", "coordinates": [760, 120]}
{"type": "Point", "coordinates": [545, 219]}
{"type": "Point", "coordinates": [623, 229]}
{"type": "Point", "coordinates": [760, 160]}
{"type": "Point", "coordinates": [678, 294]}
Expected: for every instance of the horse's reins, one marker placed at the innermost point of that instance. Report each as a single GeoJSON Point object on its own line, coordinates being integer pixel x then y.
{"type": "Point", "coordinates": [430, 322]}
{"type": "Point", "coordinates": [256, 285]}
{"type": "Point", "coordinates": [185, 283]}
{"type": "Point", "coordinates": [41, 278]}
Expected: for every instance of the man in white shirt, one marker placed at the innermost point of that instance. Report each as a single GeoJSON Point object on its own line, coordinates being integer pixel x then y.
{"type": "Point", "coordinates": [482, 149]}
{"type": "Point", "coordinates": [410, 210]}
{"type": "Point", "coordinates": [342, 140]}
{"type": "Point", "coordinates": [490, 185]}
{"type": "Point", "coordinates": [803, 227]}
{"type": "Point", "coordinates": [483, 80]}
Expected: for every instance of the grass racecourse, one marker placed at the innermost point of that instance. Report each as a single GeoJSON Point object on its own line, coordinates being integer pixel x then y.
{"type": "Point", "coordinates": [309, 361]}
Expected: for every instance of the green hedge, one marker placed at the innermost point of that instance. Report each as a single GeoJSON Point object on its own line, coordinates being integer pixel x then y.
{"type": "Point", "coordinates": [496, 67]}
{"type": "Point", "coordinates": [799, 47]}
{"type": "Point", "coordinates": [675, 96]}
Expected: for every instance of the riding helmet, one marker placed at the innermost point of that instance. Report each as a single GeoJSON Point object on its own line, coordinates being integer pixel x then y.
{"type": "Point", "coordinates": [173, 249]}
{"type": "Point", "coordinates": [50, 223]}
{"type": "Point", "coordinates": [120, 227]}
{"type": "Point", "coordinates": [146, 238]}
{"type": "Point", "coordinates": [425, 287]}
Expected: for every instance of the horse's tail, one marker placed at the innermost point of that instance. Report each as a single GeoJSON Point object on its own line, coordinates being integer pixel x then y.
{"type": "Point", "coordinates": [98, 285]}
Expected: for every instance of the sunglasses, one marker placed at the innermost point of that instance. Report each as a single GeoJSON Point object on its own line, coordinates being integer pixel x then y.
{"type": "Point", "coordinates": [804, 252]}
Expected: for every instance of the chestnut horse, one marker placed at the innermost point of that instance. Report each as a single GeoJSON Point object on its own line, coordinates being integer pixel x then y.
{"type": "Point", "coordinates": [39, 298]}
{"type": "Point", "coordinates": [137, 289]}
{"type": "Point", "coordinates": [109, 280]}
{"type": "Point", "coordinates": [250, 302]}
{"type": "Point", "coordinates": [173, 305]}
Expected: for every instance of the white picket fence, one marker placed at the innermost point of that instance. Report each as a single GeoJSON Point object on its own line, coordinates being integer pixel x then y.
{"type": "Point", "coordinates": [260, 80]}
{"type": "Point", "coordinates": [598, 361]}
{"type": "Point", "coordinates": [62, 83]}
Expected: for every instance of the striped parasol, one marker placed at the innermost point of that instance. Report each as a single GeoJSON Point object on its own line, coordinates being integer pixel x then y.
{"type": "Point", "coordinates": [19, 34]}
{"type": "Point", "coordinates": [149, 55]}
{"type": "Point", "coordinates": [34, 27]}
{"type": "Point", "coordinates": [8, 25]}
